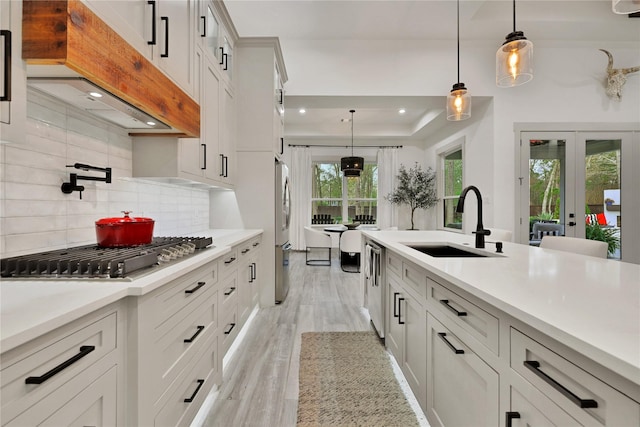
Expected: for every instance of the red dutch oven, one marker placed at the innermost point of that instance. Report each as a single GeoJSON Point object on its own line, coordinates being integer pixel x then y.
{"type": "Point", "coordinates": [124, 231]}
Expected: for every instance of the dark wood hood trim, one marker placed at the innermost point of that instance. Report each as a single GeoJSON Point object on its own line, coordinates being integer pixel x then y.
{"type": "Point", "coordinates": [66, 32]}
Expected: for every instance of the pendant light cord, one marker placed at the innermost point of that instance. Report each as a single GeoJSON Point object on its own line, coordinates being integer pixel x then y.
{"type": "Point", "coordinates": [352, 111]}
{"type": "Point", "coordinates": [514, 16]}
{"type": "Point", "coordinates": [458, 34]}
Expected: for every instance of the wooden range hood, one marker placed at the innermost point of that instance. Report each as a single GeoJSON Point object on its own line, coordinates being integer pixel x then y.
{"type": "Point", "coordinates": [67, 33]}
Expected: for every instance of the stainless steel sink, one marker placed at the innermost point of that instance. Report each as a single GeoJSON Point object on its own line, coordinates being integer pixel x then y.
{"type": "Point", "coordinates": [446, 251]}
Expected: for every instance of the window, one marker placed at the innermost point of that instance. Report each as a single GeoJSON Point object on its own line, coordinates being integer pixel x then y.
{"type": "Point", "coordinates": [452, 187]}
{"type": "Point", "coordinates": [335, 197]}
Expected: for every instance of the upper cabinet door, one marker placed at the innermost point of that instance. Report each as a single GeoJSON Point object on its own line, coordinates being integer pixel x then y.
{"type": "Point", "coordinates": [13, 85]}
{"type": "Point", "coordinates": [132, 19]}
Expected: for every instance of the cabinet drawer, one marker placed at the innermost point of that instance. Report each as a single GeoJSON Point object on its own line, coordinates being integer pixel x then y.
{"type": "Point", "coordinates": [462, 389]}
{"type": "Point", "coordinates": [57, 361]}
{"type": "Point", "coordinates": [172, 349]}
{"type": "Point", "coordinates": [229, 294]}
{"type": "Point", "coordinates": [173, 298]}
{"type": "Point", "coordinates": [585, 397]}
{"type": "Point", "coordinates": [480, 324]}
{"type": "Point", "coordinates": [535, 409]}
{"type": "Point", "coordinates": [94, 405]}
{"type": "Point", "coordinates": [228, 263]}
{"type": "Point", "coordinates": [416, 278]}
{"type": "Point", "coordinates": [229, 330]}
{"type": "Point", "coordinates": [189, 389]}
{"type": "Point", "coordinates": [394, 263]}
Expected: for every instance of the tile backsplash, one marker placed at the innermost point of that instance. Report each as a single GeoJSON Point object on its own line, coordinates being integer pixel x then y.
{"type": "Point", "coordinates": [34, 213]}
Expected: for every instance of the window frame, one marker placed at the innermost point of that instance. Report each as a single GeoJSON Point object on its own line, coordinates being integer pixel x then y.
{"type": "Point", "coordinates": [442, 153]}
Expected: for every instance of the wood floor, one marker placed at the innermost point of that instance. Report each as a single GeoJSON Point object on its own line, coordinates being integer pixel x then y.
{"type": "Point", "coordinates": [260, 386]}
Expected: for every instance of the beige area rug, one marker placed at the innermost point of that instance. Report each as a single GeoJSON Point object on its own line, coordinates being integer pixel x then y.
{"type": "Point", "coordinates": [346, 379]}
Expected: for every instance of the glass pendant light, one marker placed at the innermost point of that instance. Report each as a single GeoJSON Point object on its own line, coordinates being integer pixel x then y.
{"type": "Point", "coordinates": [514, 59]}
{"type": "Point", "coordinates": [458, 100]}
{"type": "Point", "coordinates": [351, 166]}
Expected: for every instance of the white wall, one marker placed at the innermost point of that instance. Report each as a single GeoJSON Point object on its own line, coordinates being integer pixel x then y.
{"type": "Point", "coordinates": [37, 216]}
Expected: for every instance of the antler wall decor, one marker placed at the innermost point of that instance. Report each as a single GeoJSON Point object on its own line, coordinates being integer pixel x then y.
{"type": "Point", "coordinates": [616, 78]}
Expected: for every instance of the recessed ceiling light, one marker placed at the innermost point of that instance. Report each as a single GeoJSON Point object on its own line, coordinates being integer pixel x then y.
{"type": "Point", "coordinates": [302, 111]}
{"type": "Point", "coordinates": [402, 111]}
{"type": "Point", "coordinates": [151, 123]}
{"type": "Point", "coordinates": [95, 94]}
{"type": "Point", "coordinates": [345, 120]}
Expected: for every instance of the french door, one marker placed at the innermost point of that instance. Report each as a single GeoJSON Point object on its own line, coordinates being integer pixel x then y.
{"type": "Point", "coordinates": [585, 181]}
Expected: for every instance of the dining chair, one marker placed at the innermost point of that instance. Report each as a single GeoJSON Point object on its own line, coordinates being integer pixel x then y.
{"type": "Point", "coordinates": [317, 240]}
{"type": "Point", "coordinates": [350, 243]}
{"type": "Point", "coordinates": [541, 229]}
{"type": "Point", "coordinates": [576, 245]}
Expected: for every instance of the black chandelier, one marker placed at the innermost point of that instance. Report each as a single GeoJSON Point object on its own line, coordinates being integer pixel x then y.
{"type": "Point", "coordinates": [351, 166]}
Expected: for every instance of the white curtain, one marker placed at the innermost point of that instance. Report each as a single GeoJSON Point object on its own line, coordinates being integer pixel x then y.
{"type": "Point", "coordinates": [300, 195]}
{"type": "Point", "coordinates": [387, 171]}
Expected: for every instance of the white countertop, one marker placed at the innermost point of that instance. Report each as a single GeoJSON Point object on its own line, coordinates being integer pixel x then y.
{"type": "Point", "coordinates": [29, 308]}
{"type": "Point", "coordinates": [592, 305]}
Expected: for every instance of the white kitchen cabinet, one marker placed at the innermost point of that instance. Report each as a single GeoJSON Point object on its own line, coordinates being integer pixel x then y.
{"type": "Point", "coordinates": [209, 159]}
{"type": "Point", "coordinates": [462, 389]}
{"type": "Point", "coordinates": [67, 374]}
{"type": "Point", "coordinates": [405, 337]}
{"type": "Point", "coordinates": [249, 259]}
{"type": "Point", "coordinates": [13, 90]}
{"type": "Point", "coordinates": [161, 30]}
{"type": "Point", "coordinates": [260, 77]}
{"type": "Point", "coordinates": [170, 329]}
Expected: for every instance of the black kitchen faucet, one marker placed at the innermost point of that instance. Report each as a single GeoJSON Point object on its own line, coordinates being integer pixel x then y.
{"type": "Point", "coordinates": [480, 231]}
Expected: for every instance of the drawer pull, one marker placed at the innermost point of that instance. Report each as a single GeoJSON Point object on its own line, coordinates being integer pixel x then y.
{"type": "Point", "coordinates": [395, 295]}
{"type": "Point", "coordinates": [190, 291]}
{"type": "Point", "coordinates": [511, 416]}
{"type": "Point", "coordinates": [233, 325]}
{"type": "Point", "coordinates": [200, 329]}
{"type": "Point", "coordinates": [244, 251]}
{"type": "Point", "coordinates": [445, 302]}
{"type": "Point", "coordinates": [534, 366]}
{"type": "Point", "coordinates": [193, 396]}
{"type": "Point", "coordinates": [256, 244]}
{"type": "Point", "coordinates": [230, 291]}
{"type": "Point", "coordinates": [84, 350]}
{"type": "Point", "coordinates": [400, 322]}
{"type": "Point", "coordinates": [6, 96]}
{"type": "Point", "coordinates": [254, 270]}
{"type": "Point", "coordinates": [443, 336]}
{"type": "Point", "coordinates": [230, 260]}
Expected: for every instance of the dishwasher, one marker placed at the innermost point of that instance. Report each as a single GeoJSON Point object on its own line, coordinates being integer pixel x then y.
{"type": "Point", "coordinates": [374, 286]}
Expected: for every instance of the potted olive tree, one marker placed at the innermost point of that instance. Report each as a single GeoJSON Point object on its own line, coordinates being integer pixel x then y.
{"type": "Point", "coordinates": [416, 188]}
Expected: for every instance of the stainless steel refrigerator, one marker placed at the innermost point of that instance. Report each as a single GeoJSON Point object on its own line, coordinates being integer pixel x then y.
{"type": "Point", "coordinates": [283, 219]}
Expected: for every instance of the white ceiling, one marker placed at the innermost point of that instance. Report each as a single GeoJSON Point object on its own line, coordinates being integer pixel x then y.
{"type": "Point", "coordinates": [377, 117]}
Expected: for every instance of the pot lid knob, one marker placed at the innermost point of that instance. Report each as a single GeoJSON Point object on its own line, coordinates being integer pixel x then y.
{"type": "Point", "coordinates": [126, 213]}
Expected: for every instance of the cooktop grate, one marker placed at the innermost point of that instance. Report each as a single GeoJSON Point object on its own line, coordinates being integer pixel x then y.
{"type": "Point", "coordinates": [92, 261]}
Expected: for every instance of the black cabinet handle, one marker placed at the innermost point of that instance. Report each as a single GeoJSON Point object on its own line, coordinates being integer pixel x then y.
{"type": "Point", "coordinates": [192, 290]}
{"type": "Point", "coordinates": [153, 22]}
{"type": "Point", "coordinates": [256, 244]}
{"type": "Point", "coordinates": [84, 350]}
{"type": "Point", "coordinates": [194, 336]}
{"type": "Point", "coordinates": [281, 100]}
{"type": "Point", "coordinates": [445, 302]}
{"type": "Point", "coordinates": [233, 325]}
{"type": "Point", "coordinates": [230, 260]}
{"type": "Point", "coordinates": [443, 336]}
{"type": "Point", "coordinates": [6, 96]}
{"type": "Point", "coordinates": [204, 156]}
{"type": "Point", "coordinates": [225, 59]}
{"type": "Point", "coordinates": [221, 164]}
{"type": "Point", "coordinates": [395, 295]}
{"type": "Point", "coordinates": [511, 416]}
{"type": "Point", "coordinates": [534, 366]}
{"type": "Point", "coordinates": [281, 145]}
{"type": "Point", "coordinates": [193, 396]}
{"type": "Point", "coordinates": [255, 271]}
{"type": "Point", "coordinates": [400, 322]}
{"type": "Point", "coordinates": [244, 251]}
{"type": "Point", "coordinates": [221, 55]}
{"type": "Point", "coordinates": [226, 166]}
{"type": "Point", "coordinates": [166, 37]}
{"type": "Point", "coordinates": [250, 273]}
{"type": "Point", "coordinates": [230, 291]}
{"type": "Point", "coordinates": [204, 26]}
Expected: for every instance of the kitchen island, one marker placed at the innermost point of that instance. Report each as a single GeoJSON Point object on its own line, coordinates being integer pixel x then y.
{"type": "Point", "coordinates": [580, 309]}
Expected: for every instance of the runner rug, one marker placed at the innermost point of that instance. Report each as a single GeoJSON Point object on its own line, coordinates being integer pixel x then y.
{"type": "Point", "coordinates": [346, 379]}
